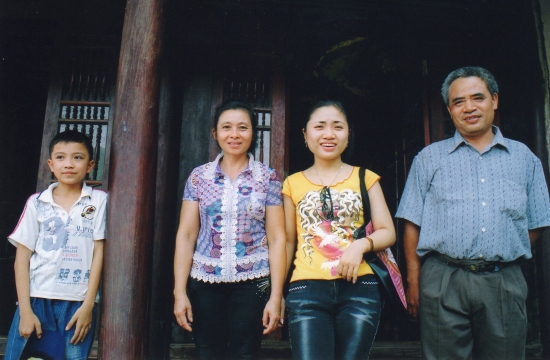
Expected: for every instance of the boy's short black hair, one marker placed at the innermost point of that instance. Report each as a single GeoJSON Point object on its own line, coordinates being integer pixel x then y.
{"type": "Point", "coordinates": [73, 136]}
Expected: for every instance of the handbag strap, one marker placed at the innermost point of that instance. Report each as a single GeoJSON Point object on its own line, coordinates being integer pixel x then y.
{"type": "Point", "coordinates": [364, 197]}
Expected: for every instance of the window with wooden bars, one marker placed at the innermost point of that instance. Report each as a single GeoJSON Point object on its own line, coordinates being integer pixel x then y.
{"type": "Point", "coordinates": [257, 92]}
{"type": "Point", "coordinates": [260, 82]}
{"type": "Point", "coordinates": [81, 98]}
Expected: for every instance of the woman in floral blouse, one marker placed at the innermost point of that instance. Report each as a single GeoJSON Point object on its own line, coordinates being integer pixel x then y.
{"type": "Point", "coordinates": [230, 244]}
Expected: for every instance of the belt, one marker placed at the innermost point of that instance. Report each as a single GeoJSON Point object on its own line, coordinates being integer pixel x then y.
{"type": "Point", "coordinates": [472, 265]}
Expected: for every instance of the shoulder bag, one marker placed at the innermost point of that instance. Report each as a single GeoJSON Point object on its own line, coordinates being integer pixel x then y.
{"type": "Point", "coordinates": [382, 262]}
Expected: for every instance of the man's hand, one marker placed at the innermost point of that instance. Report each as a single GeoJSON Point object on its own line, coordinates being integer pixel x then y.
{"type": "Point", "coordinates": [83, 320]}
{"type": "Point", "coordinates": [412, 299]}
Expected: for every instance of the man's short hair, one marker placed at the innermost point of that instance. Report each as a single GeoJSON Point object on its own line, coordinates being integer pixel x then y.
{"type": "Point", "coordinates": [465, 72]}
{"type": "Point", "coordinates": [73, 136]}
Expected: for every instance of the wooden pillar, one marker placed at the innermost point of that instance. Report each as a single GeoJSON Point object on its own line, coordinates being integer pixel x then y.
{"type": "Point", "coordinates": [127, 260]}
{"type": "Point", "coordinates": [166, 213]}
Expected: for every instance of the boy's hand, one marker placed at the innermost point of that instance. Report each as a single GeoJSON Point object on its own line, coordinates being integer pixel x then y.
{"type": "Point", "coordinates": [83, 319]}
{"type": "Point", "coordinates": [28, 324]}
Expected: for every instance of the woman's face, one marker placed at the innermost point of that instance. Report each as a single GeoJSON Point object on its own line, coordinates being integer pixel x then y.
{"type": "Point", "coordinates": [327, 133]}
{"type": "Point", "coordinates": [234, 132]}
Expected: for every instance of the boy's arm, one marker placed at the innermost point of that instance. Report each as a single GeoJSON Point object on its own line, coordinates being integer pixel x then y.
{"type": "Point", "coordinates": [29, 322]}
{"type": "Point", "coordinates": [83, 316]}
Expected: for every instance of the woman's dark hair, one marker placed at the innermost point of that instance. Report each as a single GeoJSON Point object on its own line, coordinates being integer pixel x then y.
{"type": "Point", "coordinates": [338, 105]}
{"type": "Point", "coordinates": [234, 104]}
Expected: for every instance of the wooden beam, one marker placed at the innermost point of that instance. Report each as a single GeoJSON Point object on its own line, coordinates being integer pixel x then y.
{"type": "Point", "coordinates": [279, 136]}
{"type": "Point", "coordinates": [127, 260]}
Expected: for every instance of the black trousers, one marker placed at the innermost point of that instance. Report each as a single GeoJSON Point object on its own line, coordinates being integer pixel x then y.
{"type": "Point", "coordinates": [227, 318]}
{"type": "Point", "coordinates": [465, 314]}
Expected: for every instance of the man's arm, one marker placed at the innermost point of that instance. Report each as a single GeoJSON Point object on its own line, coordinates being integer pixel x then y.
{"type": "Point", "coordinates": [410, 242]}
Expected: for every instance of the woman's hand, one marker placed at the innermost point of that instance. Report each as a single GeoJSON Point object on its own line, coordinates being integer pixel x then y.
{"type": "Point", "coordinates": [283, 309]}
{"type": "Point", "coordinates": [272, 314]}
{"type": "Point", "coordinates": [183, 312]}
{"type": "Point", "coordinates": [351, 259]}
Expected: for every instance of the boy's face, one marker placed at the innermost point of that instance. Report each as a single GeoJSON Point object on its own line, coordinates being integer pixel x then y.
{"type": "Point", "coordinates": [70, 162]}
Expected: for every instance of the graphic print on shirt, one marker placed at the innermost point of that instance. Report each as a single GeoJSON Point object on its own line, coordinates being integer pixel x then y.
{"type": "Point", "coordinates": [56, 238]}
{"type": "Point", "coordinates": [55, 234]}
{"type": "Point", "coordinates": [88, 212]}
{"type": "Point", "coordinates": [328, 237]}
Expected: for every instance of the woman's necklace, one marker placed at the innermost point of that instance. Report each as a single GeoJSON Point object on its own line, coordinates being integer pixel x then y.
{"type": "Point", "coordinates": [325, 196]}
{"type": "Point", "coordinates": [330, 183]}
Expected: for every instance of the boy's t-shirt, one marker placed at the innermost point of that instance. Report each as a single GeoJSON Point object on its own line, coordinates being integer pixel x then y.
{"type": "Point", "coordinates": [62, 243]}
{"type": "Point", "coordinates": [321, 241]}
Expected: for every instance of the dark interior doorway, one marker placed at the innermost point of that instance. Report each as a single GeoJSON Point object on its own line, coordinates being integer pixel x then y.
{"type": "Point", "coordinates": [385, 61]}
{"type": "Point", "coordinates": [388, 62]}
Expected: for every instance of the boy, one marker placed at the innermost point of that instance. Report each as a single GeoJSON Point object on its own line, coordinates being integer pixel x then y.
{"type": "Point", "coordinates": [59, 240]}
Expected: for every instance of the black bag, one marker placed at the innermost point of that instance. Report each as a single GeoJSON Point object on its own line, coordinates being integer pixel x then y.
{"type": "Point", "coordinates": [379, 261]}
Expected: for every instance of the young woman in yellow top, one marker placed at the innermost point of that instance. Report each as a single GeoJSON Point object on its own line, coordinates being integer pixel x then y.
{"type": "Point", "coordinates": [333, 302]}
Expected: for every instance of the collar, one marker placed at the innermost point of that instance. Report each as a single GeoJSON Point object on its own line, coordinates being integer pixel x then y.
{"type": "Point", "coordinates": [47, 195]}
{"type": "Point", "coordinates": [458, 140]}
{"type": "Point", "coordinates": [213, 168]}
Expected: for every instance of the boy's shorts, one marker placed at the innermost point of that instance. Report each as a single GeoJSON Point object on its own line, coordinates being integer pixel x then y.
{"type": "Point", "coordinates": [54, 315]}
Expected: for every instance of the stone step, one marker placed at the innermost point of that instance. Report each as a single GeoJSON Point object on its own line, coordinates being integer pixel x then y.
{"type": "Point", "coordinates": [279, 350]}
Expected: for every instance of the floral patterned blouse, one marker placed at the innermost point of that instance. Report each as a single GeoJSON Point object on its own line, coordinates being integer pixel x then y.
{"type": "Point", "coordinates": [232, 243]}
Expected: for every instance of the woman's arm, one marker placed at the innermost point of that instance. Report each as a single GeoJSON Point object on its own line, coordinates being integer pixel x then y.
{"type": "Point", "coordinates": [186, 239]}
{"type": "Point", "coordinates": [274, 218]}
{"type": "Point", "coordinates": [382, 237]}
{"type": "Point", "coordinates": [290, 243]}
{"type": "Point", "coordinates": [290, 230]}
{"type": "Point", "coordinates": [384, 229]}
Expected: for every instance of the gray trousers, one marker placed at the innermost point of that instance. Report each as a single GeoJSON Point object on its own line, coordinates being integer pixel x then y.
{"type": "Point", "coordinates": [465, 314]}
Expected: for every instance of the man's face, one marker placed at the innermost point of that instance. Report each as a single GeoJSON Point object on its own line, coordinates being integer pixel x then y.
{"type": "Point", "coordinates": [471, 107]}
